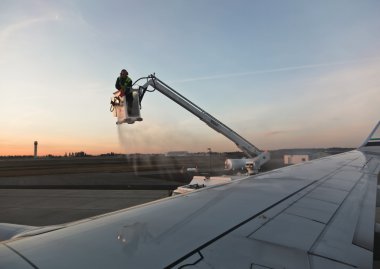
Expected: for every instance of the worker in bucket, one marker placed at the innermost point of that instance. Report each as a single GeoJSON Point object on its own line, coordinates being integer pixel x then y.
{"type": "Point", "coordinates": [124, 85]}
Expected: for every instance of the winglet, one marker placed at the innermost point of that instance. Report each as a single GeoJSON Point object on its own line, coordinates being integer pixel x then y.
{"type": "Point", "coordinates": [374, 137]}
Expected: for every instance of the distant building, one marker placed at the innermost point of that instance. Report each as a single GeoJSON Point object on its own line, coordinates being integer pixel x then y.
{"type": "Point", "coordinates": [294, 159]}
{"type": "Point", "coordinates": [318, 155]}
{"type": "Point", "coordinates": [177, 153]}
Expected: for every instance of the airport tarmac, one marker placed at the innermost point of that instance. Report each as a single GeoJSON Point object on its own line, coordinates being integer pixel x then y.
{"type": "Point", "coordinates": [40, 200]}
{"type": "Point", "coordinates": [48, 207]}
{"type": "Point", "coordinates": [55, 191]}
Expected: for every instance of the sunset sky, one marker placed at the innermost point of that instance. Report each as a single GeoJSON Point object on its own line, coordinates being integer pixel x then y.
{"type": "Point", "coordinates": [283, 74]}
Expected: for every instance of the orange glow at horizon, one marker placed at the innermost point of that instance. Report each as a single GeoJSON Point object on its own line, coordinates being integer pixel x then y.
{"type": "Point", "coordinates": [56, 148]}
{"type": "Point", "coordinates": [153, 141]}
{"type": "Point", "coordinates": [41, 151]}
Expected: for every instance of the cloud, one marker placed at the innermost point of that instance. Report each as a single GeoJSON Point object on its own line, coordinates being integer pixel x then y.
{"type": "Point", "coordinates": [48, 12]}
{"type": "Point", "coordinates": [275, 70]}
{"type": "Point", "coordinates": [20, 25]}
{"type": "Point", "coordinates": [334, 108]}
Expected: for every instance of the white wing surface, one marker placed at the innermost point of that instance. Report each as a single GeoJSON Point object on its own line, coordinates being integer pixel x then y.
{"type": "Point", "coordinates": [319, 214]}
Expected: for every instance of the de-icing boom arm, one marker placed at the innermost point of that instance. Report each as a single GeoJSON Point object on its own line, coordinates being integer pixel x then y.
{"type": "Point", "coordinates": [250, 150]}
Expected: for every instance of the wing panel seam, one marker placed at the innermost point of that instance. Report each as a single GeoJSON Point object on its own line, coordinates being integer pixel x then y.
{"type": "Point", "coordinates": [198, 249]}
{"type": "Point", "coordinates": [327, 258]}
{"type": "Point", "coordinates": [312, 188]}
{"type": "Point", "coordinates": [21, 256]}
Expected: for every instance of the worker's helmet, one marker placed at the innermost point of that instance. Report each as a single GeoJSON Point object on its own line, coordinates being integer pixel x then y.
{"type": "Point", "coordinates": [124, 72]}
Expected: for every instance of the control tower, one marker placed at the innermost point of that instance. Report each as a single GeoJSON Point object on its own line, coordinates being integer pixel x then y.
{"type": "Point", "coordinates": [35, 149]}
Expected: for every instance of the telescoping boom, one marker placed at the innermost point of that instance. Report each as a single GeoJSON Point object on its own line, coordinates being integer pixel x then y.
{"type": "Point", "coordinates": [257, 157]}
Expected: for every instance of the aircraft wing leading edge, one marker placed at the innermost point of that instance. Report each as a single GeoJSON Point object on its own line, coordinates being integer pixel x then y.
{"type": "Point", "coordinates": [319, 214]}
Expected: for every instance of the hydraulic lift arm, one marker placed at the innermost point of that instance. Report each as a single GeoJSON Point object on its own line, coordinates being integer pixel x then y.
{"type": "Point", "coordinates": [257, 156]}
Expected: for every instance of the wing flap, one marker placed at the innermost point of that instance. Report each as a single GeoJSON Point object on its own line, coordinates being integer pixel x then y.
{"type": "Point", "coordinates": [286, 230]}
{"type": "Point", "coordinates": [313, 209]}
{"type": "Point", "coordinates": [364, 236]}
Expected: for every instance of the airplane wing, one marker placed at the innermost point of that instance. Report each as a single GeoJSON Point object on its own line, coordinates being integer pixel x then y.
{"type": "Point", "coordinates": [319, 214]}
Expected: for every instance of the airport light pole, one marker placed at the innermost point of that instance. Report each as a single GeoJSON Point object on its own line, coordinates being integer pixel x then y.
{"type": "Point", "coordinates": [209, 152]}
